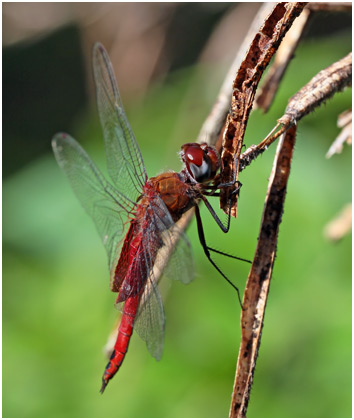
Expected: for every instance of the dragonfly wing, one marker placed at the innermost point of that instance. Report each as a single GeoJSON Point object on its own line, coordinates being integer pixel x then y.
{"type": "Point", "coordinates": [107, 207]}
{"type": "Point", "coordinates": [124, 161]}
{"type": "Point", "coordinates": [165, 248]}
{"type": "Point", "coordinates": [142, 279]}
{"type": "Point", "coordinates": [175, 258]}
{"type": "Point", "coordinates": [150, 321]}
{"type": "Point", "coordinates": [180, 265]}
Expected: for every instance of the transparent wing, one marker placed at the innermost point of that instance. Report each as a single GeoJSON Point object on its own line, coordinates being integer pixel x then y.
{"type": "Point", "coordinates": [150, 321]}
{"type": "Point", "coordinates": [108, 208]}
{"type": "Point", "coordinates": [164, 247]}
{"type": "Point", "coordinates": [180, 265]}
{"type": "Point", "coordinates": [124, 161]}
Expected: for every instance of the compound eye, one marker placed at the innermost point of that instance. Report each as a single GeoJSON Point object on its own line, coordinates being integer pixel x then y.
{"type": "Point", "coordinates": [194, 155]}
{"type": "Point", "coordinates": [199, 161]}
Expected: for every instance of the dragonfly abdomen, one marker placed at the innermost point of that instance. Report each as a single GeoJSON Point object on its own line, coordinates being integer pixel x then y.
{"type": "Point", "coordinates": [125, 332]}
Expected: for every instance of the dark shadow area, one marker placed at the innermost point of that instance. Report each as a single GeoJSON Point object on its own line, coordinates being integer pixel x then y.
{"type": "Point", "coordinates": [43, 91]}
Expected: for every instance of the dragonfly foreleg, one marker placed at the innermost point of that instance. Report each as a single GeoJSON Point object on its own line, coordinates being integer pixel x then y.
{"type": "Point", "coordinates": [213, 188]}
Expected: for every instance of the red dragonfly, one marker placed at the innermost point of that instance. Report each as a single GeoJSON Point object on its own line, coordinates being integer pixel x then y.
{"type": "Point", "coordinates": [135, 215]}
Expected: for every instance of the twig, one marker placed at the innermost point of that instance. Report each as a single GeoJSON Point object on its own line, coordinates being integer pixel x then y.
{"type": "Point", "coordinates": [340, 6]}
{"type": "Point", "coordinates": [212, 126]}
{"type": "Point", "coordinates": [322, 87]}
{"type": "Point", "coordinates": [262, 48]}
{"type": "Point", "coordinates": [319, 89]}
{"type": "Point", "coordinates": [341, 225]}
{"type": "Point", "coordinates": [345, 123]}
{"type": "Point", "coordinates": [269, 87]}
{"type": "Point", "coordinates": [257, 287]}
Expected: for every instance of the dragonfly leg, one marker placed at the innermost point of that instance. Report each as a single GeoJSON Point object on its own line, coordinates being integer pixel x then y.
{"type": "Point", "coordinates": [213, 188]}
{"type": "Point", "coordinates": [228, 255]}
{"type": "Point", "coordinates": [206, 250]}
{"type": "Point", "coordinates": [224, 228]}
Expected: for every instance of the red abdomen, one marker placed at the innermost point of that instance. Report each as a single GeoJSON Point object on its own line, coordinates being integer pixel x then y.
{"type": "Point", "coordinates": [130, 277]}
{"type": "Point", "coordinates": [139, 252]}
{"type": "Point", "coordinates": [124, 333]}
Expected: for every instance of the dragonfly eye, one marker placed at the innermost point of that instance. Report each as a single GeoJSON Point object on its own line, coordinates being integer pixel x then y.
{"type": "Point", "coordinates": [201, 161]}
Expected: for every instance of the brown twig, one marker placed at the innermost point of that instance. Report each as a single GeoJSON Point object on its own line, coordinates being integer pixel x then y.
{"type": "Point", "coordinates": [261, 50]}
{"type": "Point", "coordinates": [266, 93]}
{"type": "Point", "coordinates": [340, 6]}
{"type": "Point", "coordinates": [320, 88]}
{"type": "Point", "coordinates": [269, 87]}
{"type": "Point", "coordinates": [341, 225]}
{"type": "Point", "coordinates": [213, 124]}
{"type": "Point", "coordinates": [345, 136]}
{"type": "Point", "coordinates": [257, 287]}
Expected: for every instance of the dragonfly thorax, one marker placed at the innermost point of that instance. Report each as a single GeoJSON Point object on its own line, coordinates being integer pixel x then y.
{"type": "Point", "coordinates": [201, 161]}
{"type": "Point", "coordinates": [177, 195]}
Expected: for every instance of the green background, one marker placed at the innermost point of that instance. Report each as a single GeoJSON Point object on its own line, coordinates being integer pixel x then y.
{"type": "Point", "coordinates": [58, 309]}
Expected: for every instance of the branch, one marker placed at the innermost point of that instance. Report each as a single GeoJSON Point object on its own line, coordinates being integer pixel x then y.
{"type": "Point", "coordinates": [340, 226]}
{"type": "Point", "coordinates": [340, 6]}
{"type": "Point", "coordinates": [257, 287]}
{"type": "Point", "coordinates": [285, 53]}
{"type": "Point", "coordinates": [213, 124]}
{"type": "Point", "coordinates": [345, 136]}
{"type": "Point", "coordinates": [319, 89]}
{"type": "Point", "coordinates": [262, 49]}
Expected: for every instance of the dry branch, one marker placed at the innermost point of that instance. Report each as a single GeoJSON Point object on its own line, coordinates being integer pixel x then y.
{"type": "Point", "coordinates": [320, 88]}
{"type": "Point", "coordinates": [269, 88]}
{"type": "Point", "coordinates": [341, 225]}
{"type": "Point", "coordinates": [261, 50]}
{"type": "Point", "coordinates": [213, 124]}
{"type": "Point", "coordinates": [340, 6]}
{"type": "Point", "coordinates": [345, 136]}
{"type": "Point", "coordinates": [257, 287]}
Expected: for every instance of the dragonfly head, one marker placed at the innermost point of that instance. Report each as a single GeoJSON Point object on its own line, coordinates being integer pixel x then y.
{"type": "Point", "coordinates": [201, 161]}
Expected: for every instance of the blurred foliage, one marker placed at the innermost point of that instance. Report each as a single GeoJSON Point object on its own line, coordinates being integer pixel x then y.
{"type": "Point", "coordinates": [58, 310]}
{"type": "Point", "coordinates": [38, 79]}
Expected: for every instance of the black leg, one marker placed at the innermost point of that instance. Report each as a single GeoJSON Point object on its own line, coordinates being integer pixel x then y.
{"type": "Point", "coordinates": [224, 228]}
{"type": "Point", "coordinates": [228, 255]}
{"type": "Point", "coordinates": [213, 188]}
{"type": "Point", "coordinates": [207, 253]}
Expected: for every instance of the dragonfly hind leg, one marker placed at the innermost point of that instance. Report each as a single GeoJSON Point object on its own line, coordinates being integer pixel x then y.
{"type": "Point", "coordinates": [207, 253]}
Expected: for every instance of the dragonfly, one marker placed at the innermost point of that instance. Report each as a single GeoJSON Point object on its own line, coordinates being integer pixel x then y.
{"type": "Point", "coordinates": [136, 216]}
